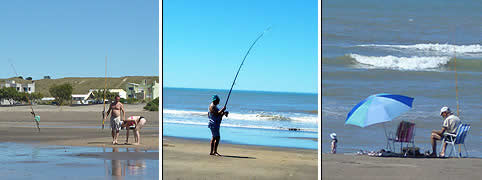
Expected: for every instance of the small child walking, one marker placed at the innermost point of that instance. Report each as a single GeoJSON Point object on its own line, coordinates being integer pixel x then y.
{"type": "Point", "coordinates": [333, 143]}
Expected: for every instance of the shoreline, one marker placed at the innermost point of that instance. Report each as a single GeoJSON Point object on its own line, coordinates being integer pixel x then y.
{"type": "Point", "coordinates": [203, 140]}
{"type": "Point", "coordinates": [237, 162]}
{"type": "Point", "coordinates": [342, 166]}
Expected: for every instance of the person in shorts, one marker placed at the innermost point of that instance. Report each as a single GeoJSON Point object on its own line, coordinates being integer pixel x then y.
{"type": "Point", "coordinates": [215, 117]}
{"type": "Point", "coordinates": [115, 119]}
{"type": "Point", "coordinates": [450, 125]}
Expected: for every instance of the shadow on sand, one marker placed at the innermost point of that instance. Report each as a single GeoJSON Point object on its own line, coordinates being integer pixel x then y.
{"type": "Point", "coordinates": [241, 157]}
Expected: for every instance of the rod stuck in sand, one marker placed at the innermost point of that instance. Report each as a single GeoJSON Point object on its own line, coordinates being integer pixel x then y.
{"type": "Point", "coordinates": [246, 55]}
{"type": "Point", "coordinates": [36, 118]}
{"type": "Point", "coordinates": [105, 87]}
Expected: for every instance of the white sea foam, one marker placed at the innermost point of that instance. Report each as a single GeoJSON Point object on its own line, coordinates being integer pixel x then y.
{"type": "Point", "coordinates": [249, 117]}
{"type": "Point", "coordinates": [225, 124]}
{"type": "Point", "coordinates": [439, 49]}
{"type": "Point", "coordinates": [402, 63]}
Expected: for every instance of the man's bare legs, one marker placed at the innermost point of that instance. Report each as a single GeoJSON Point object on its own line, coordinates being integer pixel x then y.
{"type": "Point", "coordinates": [443, 149]}
{"type": "Point", "coordinates": [436, 135]}
{"type": "Point", "coordinates": [115, 135]}
{"type": "Point", "coordinates": [216, 146]}
{"type": "Point", "coordinates": [212, 146]}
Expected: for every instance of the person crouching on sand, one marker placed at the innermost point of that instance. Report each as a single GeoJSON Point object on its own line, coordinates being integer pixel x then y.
{"type": "Point", "coordinates": [333, 143]}
{"type": "Point", "coordinates": [450, 125]}
{"type": "Point", "coordinates": [134, 123]}
{"type": "Point", "coordinates": [215, 117]}
{"type": "Point", "coordinates": [115, 119]}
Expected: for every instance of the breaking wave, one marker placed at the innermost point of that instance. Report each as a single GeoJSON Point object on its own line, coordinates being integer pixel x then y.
{"type": "Point", "coordinates": [402, 63]}
{"type": "Point", "coordinates": [227, 124]}
{"type": "Point", "coordinates": [413, 63]}
{"type": "Point", "coordinates": [249, 116]}
{"type": "Point", "coordinates": [473, 50]}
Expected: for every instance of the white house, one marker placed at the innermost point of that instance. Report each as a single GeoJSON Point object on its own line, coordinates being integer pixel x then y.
{"type": "Point", "coordinates": [80, 98]}
{"type": "Point", "coordinates": [29, 87]}
{"type": "Point", "coordinates": [47, 99]}
{"type": "Point", "coordinates": [122, 93]}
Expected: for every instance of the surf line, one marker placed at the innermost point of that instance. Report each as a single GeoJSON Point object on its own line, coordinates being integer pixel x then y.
{"type": "Point", "coordinates": [36, 118]}
{"type": "Point", "coordinates": [246, 55]}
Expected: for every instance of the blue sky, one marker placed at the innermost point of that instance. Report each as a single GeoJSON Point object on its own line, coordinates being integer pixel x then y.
{"type": "Point", "coordinates": [71, 38]}
{"type": "Point", "coordinates": [204, 43]}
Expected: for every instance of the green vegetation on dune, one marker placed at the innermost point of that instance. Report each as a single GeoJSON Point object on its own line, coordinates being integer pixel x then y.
{"type": "Point", "coordinates": [81, 85]}
{"type": "Point", "coordinates": [153, 105]}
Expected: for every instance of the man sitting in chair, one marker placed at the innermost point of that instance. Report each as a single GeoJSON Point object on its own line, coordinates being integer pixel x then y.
{"type": "Point", "coordinates": [450, 125]}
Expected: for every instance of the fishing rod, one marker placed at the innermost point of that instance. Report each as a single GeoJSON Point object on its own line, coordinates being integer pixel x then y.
{"type": "Point", "coordinates": [259, 37]}
{"type": "Point", "coordinates": [36, 118]}
{"type": "Point", "coordinates": [105, 87]}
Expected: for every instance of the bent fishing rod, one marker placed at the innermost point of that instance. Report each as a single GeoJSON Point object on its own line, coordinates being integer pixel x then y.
{"type": "Point", "coordinates": [246, 55]}
{"type": "Point", "coordinates": [36, 120]}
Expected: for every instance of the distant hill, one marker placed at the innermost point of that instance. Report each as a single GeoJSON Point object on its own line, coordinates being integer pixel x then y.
{"type": "Point", "coordinates": [81, 85]}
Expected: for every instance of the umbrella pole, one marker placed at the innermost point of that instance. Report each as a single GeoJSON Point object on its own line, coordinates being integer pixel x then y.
{"type": "Point", "coordinates": [386, 136]}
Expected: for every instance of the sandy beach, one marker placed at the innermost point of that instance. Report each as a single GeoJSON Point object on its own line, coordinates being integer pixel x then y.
{"type": "Point", "coordinates": [339, 166]}
{"type": "Point", "coordinates": [72, 126]}
{"type": "Point", "coordinates": [190, 159]}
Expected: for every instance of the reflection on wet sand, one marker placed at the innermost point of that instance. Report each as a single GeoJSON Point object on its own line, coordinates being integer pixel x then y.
{"type": "Point", "coordinates": [26, 161]}
{"type": "Point", "coordinates": [121, 167]}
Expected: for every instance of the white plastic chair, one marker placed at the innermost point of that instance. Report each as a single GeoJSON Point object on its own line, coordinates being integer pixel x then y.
{"type": "Point", "coordinates": [457, 138]}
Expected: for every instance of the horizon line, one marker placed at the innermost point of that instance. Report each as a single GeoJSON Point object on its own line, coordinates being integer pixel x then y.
{"type": "Point", "coordinates": [81, 77]}
{"type": "Point", "coordinates": [243, 90]}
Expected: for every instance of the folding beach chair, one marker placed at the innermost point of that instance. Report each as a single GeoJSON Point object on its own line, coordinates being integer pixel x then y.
{"type": "Point", "coordinates": [457, 138]}
{"type": "Point", "coordinates": [405, 134]}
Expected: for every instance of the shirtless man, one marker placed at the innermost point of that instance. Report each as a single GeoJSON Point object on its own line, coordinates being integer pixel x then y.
{"type": "Point", "coordinates": [115, 119]}
{"type": "Point", "coordinates": [134, 123]}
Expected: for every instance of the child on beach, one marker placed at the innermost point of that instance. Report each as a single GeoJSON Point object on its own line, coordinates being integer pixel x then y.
{"type": "Point", "coordinates": [134, 123]}
{"type": "Point", "coordinates": [333, 143]}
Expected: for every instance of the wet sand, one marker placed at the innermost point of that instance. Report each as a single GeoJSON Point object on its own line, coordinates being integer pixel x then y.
{"type": "Point", "coordinates": [122, 155]}
{"type": "Point", "coordinates": [190, 159]}
{"type": "Point", "coordinates": [41, 161]}
{"type": "Point", "coordinates": [339, 166]}
{"type": "Point", "coordinates": [72, 126]}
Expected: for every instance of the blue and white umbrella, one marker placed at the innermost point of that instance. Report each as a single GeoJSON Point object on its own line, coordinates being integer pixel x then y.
{"type": "Point", "coordinates": [378, 108]}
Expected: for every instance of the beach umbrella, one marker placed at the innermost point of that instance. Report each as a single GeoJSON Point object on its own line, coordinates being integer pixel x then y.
{"type": "Point", "coordinates": [378, 108]}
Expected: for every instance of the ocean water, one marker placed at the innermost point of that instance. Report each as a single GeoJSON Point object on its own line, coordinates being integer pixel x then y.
{"type": "Point", "coordinates": [256, 118]}
{"type": "Point", "coordinates": [410, 48]}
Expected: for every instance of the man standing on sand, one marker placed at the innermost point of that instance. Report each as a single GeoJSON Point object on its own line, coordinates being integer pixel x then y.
{"type": "Point", "coordinates": [115, 119]}
{"type": "Point", "coordinates": [215, 117]}
{"type": "Point", "coordinates": [450, 125]}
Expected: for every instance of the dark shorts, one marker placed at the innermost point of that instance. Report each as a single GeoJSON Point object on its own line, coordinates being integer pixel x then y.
{"type": "Point", "coordinates": [215, 131]}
